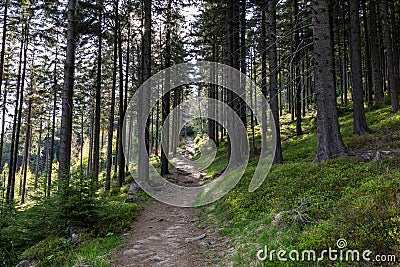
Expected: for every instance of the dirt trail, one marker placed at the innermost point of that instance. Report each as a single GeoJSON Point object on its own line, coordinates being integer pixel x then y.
{"type": "Point", "coordinates": [166, 235]}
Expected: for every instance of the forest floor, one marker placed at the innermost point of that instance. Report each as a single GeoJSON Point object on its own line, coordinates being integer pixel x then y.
{"type": "Point", "coordinates": [165, 235]}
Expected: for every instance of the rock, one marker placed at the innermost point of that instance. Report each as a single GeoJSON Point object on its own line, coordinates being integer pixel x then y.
{"type": "Point", "coordinates": [74, 232]}
{"type": "Point", "coordinates": [74, 237]}
{"type": "Point", "coordinates": [367, 156]}
{"type": "Point", "coordinates": [25, 263]}
{"type": "Point", "coordinates": [218, 231]}
{"type": "Point", "coordinates": [203, 245]}
{"type": "Point", "coordinates": [377, 157]}
{"type": "Point", "coordinates": [192, 239]}
{"type": "Point", "coordinates": [131, 252]}
{"type": "Point", "coordinates": [131, 199]}
{"type": "Point", "coordinates": [133, 188]}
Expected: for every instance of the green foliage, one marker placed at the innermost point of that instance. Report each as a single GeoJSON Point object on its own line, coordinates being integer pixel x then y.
{"type": "Point", "coordinates": [114, 217]}
{"type": "Point", "coordinates": [49, 251]}
{"type": "Point", "coordinates": [58, 251]}
{"type": "Point", "coordinates": [305, 205]}
{"type": "Point", "coordinates": [39, 232]}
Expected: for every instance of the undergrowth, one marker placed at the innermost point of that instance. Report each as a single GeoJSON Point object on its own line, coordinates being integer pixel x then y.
{"type": "Point", "coordinates": [304, 205]}
{"type": "Point", "coordinates": [40, 232]}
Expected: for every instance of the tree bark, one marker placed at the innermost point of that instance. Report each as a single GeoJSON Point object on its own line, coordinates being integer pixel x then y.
{"type": "Point", "coordinates": [111, 118]}
{"type": "Point", "coordinates": [121, 109]}
{"type": "Point", "coordinates": [67, 102]}
{"type": "Point", "coordinates": [144, 97]}
{"type": "Point", "coordinates": [38, 158]}
{"type": "Point", "coordinates": [297, 57]}
{"type": "Point", "coordinates": [389, 55]}
{"type": "Point", "coordinates": [375, 54]}
{"type": "Point", "coordinates": [3, 122]}
{"type": "Point", "coordinates": [96, 134]}
{"type": "Point", "coordinates": [368, 64]}
{"type": "Point", "coordinates": [26, 151]}
{"type": "Point", "coordinates": [3, 43]}
{"type": "Point", "coordinates": [330, 143]}
{"type": "Point", "coordinates": [53, 126]}
{"type": "Point", "coordinates": [273, 79]}
{"type": "Point", "coordinates": [166, 96]}
{"type": "Point", "coordinates": [360, 123]}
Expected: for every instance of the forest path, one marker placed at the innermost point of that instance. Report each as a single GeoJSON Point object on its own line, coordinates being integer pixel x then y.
{"type": "Point", "coordinates": [165, 235]}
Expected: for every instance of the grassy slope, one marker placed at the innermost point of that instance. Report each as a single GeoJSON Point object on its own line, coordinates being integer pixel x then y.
{"type": "Point", "coordinates": [345, 198]}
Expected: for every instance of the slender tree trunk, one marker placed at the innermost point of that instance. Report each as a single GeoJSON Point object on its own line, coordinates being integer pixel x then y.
{"type": "Point", "coordinates": [3, 122]}
{"type": "Point", "coordinates": [264, 89]}
{"type": "Point", "coordinates": [368, 64]}
{"type": "Point", "coordinates": [389, 54]}
{"type": "Point", "coordinates": [81, 148]}
{"type": "Point", "coordinates": [96, 134]}
{"type": "Point", "coordinates": [297, 57]}
{"type": "Point", "coordinates": [26, 151]}
{"type": "Point", "coordinates": [127, 84]}
{"type": "Point", "coordinates": [144, 96]}
{"type": "Point", "coordinates": [243, 64]}
{"type": "Point", "coordinates": [11, 176]}
{"type": "Point", "coordinates": [375, 54]}
{"type": "Point", "coordinates": [121, 158]}
{"type": "Point", "coordinates": [38, 158]}
{"type": "Point", "coordinates": [273, 79]}
{"type": "Point", "coordinates": [111, 118]}
{"type": "Point", "coordinates": [330, 143]}
{"type": "Point", "coordinates": [395, 41]}
{"type": "Point", "coordinates": [89, 167]}
{"type": "Point", "coordinates": [17, 118]}
{"type": "Point", "coordinates": [345, 85]}
{"type": "Point", "coordinates": [166, 96]}
{"type": "Point", "coordinates": [67, 102]}
{"type": "Point", "coordinates": [211, 95]}
{"type": "Point", "coordinates": [360, 123]}
{"type": "Point", "coordinates": [53, 126]}
{"type": "Point", "coordinates": [3, 43]}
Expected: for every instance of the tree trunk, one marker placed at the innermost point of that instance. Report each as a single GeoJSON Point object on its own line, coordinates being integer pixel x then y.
{"type": "Point", "coordinates": [26, 151]}
{"type": "Point", "coordinates": [166, 96]}
{"type": "Point", "coordinates": [38, 159]}
{"type": "Point", "coordinates": [273, 79]}
{"type": "Point", "coordinates": [111, 118]}
{"type": "Point", "coordinates": [67, 102]}
{"type": "Point", "coordinates": [3, 122]}
{"type": "Point", "coordinates": [375, 54]}
{"type": "Point", "coordinates": [330, 143]}
{"type": "Point", "coordinates": [127, 85]}
{"type": "Point", "coordinates": [3, 44]}
{"type": "Point", "coordinates": [144, 96]}
{"type": "Point", "coordinates": [96, 133]}
{"type": "Point", "coordinates": [53, 126]}
{"type": "Point", "coordinates": [389, 54]}
{"type": "Point", "coordinates": [297, 57]}
{"type": "Point", "coordinates": [368, 73]}
{"type": "Point", "coordinates": [121, 158]}
{"type": "Point", "coordinates": [264, 89]}
{"type": "Point", "coordinates": [17, 119]}
{"type": "Point", "coordinates": [360, 123]}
